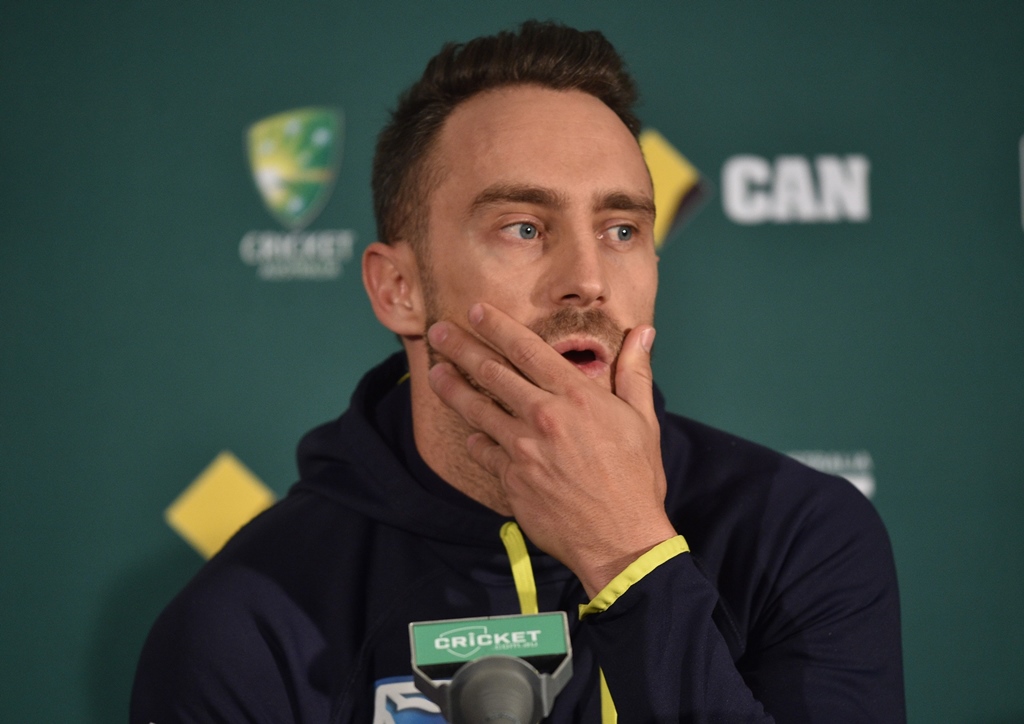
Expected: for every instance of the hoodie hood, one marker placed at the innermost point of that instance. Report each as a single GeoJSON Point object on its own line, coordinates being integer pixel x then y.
{"type": "Point", "coordinates": [352, 460]}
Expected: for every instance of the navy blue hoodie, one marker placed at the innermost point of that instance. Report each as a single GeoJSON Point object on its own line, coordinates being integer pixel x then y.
{"type": "Point", "coordinates": [785, 609]}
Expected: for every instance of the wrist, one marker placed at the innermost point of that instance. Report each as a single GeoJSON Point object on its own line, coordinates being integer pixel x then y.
{"type": "Point", "coordinates": [599, 573]}
{"type": "Point", "coordinates": [634, 573]}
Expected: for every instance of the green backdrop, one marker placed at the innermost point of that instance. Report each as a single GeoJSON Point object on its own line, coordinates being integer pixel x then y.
{"type": "Point", "coordinates": [138, 344]}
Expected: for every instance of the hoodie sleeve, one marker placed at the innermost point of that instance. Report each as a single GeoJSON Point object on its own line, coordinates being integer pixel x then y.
{"type": "Point", "coordinates": [823, 646]}
{"type": "Point", "coordinates": [220, 653]}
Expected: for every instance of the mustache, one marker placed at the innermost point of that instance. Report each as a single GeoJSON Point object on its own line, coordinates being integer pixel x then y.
{"type": "Point", "coordinates": [568, 321]}
{"type": "Point", "coordinates": [562, 323]}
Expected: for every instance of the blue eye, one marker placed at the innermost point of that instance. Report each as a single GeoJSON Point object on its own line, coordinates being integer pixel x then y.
{"type": "Point", "coordinates": [623, 233]}
{"type": "Point", "coordinates": [527, 231]}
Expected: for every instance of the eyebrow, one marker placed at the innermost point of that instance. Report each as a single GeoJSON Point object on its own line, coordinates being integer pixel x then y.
{"type": "Point", "coordinates": [517, 193]}
{"type": "Point", "coordinates": [540, 196]}
{"type": "Point", "coordinates": [618, 201]}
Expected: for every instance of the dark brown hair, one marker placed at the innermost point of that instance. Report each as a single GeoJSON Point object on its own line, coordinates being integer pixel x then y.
{"type": "Point", "coordinates": [539, 53]}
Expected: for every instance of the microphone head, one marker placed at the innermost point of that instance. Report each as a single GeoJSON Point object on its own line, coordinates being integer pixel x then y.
{"type": "Point", "coordinates": [496, 689]}
{"type": "Point", "coordinates": [504, 669]}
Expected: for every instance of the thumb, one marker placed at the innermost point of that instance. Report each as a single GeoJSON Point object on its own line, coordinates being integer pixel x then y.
{"type": "Point", "coordinates": [634, 381]}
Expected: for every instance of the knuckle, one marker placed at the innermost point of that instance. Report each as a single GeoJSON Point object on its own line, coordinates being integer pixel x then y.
{"type": "Point", "coordinates": [523, 351]}
{"type": "Point", "coordinates": [523, 447]}
{"type": "Point", "coordinates": [476, 410]}
{"type": "Point", "coordinates": [486, 460]}
{"type": "Point", "coordinates": [546, 420]}
{"type": "Point", "coordinates": [491, 371]}
{"type": "Point", "coordinates": [483, 454]}
{"type": "Point", "coordinates": [579, 398]}
{"type": "Point", "coordinates": [456, 347]}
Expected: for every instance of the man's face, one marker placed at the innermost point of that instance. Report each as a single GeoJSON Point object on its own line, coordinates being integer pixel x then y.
{"type": "Point", "coordinates": [545, 210]}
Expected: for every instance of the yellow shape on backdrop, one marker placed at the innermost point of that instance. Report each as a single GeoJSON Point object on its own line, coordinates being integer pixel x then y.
{"type": "Point", "coordinates": [224, 497]}
{"type": "Point", "coordinates": [673, 176]}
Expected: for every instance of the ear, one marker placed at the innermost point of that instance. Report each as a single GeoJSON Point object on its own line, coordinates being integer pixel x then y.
{"type": "Point", "coordinates": [391, 278]}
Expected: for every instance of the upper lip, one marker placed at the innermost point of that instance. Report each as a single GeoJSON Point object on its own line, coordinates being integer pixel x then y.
{"type": "Point", "coordinates": [576, 343]}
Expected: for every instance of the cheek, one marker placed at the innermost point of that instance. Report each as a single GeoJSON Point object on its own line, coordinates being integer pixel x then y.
{"type": "Point", "coordinates": [465, 281]}
{"type": "Point", "coordinates": [639, 285]}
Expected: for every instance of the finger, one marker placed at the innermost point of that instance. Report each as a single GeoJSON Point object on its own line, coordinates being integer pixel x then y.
{"type": "Point", "coordinates": [485, 366]}
{"type": "Point", "coordinates": [488, 454]}
{"type": "Point", "coordinates": [634, 380]}
{"type": "Point", "coordinates": [476, 408]}
{"type": "Point", "coordinates": [528, 353]}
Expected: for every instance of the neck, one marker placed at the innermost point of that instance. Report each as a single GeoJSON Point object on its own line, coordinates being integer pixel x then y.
{"type": "Point", "coordinates": [441, 434]}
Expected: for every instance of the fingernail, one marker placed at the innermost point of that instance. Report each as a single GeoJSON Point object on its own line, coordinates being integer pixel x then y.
{"type": "Point", "coordinates": [437, 333]}
{"type": "Point", "coordinates": [476, 313]}
{"type": "Point", "coordinates": [647, 339]}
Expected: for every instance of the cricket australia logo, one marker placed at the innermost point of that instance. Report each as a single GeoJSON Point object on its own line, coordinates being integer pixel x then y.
{"type": "Point", "coordinates": [295, 157]}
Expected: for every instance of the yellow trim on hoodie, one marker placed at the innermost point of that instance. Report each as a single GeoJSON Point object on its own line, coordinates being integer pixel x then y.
{"type": "Point", "coordinates": [634, 572]}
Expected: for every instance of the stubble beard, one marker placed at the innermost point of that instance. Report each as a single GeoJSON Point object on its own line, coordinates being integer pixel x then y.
{"type": "Point", "coordinates": [472, 479]}
{"type": "Point", "coordinates": [562, 323]}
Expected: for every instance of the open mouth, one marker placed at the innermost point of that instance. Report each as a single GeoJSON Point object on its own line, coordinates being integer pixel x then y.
{"type": "Point", "coordinates": [580, 356]}
{"type": "Point", "coordinates": [586, 355]}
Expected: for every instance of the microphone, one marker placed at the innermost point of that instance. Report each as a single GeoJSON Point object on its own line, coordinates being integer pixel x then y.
{"type": "Point", "coordinates": [494, 668]}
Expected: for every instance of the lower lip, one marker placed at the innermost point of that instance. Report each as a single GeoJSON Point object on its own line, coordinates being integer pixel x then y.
{"type": "Point", "coordinates": [592, 369]}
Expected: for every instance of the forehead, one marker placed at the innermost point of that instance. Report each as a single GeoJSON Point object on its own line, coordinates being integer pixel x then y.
{"type": "Point", "coordinates": [566, 141]}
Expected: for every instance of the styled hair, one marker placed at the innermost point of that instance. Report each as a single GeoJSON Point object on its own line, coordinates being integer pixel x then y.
{"type": "Point", "coordinates": [546, 54]}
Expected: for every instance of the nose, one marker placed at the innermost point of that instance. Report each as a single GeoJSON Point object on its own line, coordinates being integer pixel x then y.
{"type": "Point", "coordinates": [578, 271]}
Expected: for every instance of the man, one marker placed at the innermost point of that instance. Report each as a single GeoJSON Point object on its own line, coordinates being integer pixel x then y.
{"type": "Point", "coordinates": [720, 581]}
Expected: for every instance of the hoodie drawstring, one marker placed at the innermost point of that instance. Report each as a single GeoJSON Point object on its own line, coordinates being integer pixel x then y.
{"type": "Point", "coordinates": [522, 569]}
{"type": "Point", "coordinates": [526, 588]}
